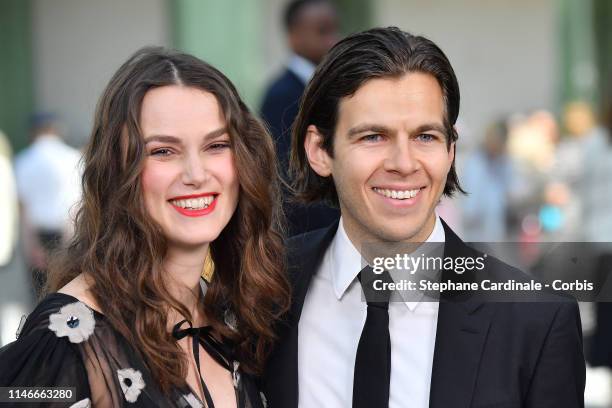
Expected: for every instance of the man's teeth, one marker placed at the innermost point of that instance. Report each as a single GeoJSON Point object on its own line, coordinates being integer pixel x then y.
{"type": "Point", "coordinates": [194, 203]}
{"type": "Point", "coordinates": [397, 194]}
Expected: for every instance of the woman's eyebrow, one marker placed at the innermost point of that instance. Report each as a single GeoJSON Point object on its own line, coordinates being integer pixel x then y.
{"type": "Point", "coordinates": [175, 140]}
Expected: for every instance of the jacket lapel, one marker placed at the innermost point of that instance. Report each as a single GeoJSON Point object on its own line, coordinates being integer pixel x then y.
{"type": "Point", "coordinates": [304, 255]}
{"type": "Point", "coordinates": [462, 328]}
{"type": "Point", "coordinates": [463, 325]}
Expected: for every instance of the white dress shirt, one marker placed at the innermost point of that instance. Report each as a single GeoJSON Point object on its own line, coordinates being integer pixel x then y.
{"type": "Point", "coordinates": [301, 67]}
{"type": "Point", "coordinates": [330, 327]}
{"type": "Point", "coordinates": [9, 213]}
{"type": "Point", "coordinates": [48, 177]}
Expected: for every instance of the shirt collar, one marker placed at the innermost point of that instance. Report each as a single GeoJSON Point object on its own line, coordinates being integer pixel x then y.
{"type": "Point", "coordinates": [346, 259]}
{"type": "Point", "coordinates": [301, 67]}
{"type": "Point", "coordinates": [47, 137]}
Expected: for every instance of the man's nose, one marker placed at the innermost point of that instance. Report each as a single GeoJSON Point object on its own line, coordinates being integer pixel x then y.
{"type": "Point", "coordinates": [402, 158]}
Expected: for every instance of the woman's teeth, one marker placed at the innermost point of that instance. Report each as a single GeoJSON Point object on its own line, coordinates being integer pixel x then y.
{"type": "Point", "coordinates": [397, 194]}
{"type": "Point", "coordinates": [194, 203]}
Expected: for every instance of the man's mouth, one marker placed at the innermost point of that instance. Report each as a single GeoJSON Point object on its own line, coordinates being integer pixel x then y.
{"type": "Point", "coordinates": [397, 194]}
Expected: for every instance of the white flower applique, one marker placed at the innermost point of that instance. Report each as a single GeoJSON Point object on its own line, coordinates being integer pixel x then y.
{"type": "Point", "coordinates": [74, 320]}
{"type": "Point", "coordinates": [236, 374]}
{"type": "Point", "coordinates": [230, 320]}
{"type": "Point", "coordinates": [192, 400]}
{"type": "Point", "coordinates": [84, 403]}
{"type": "Point", "coordinates": [131, 383]}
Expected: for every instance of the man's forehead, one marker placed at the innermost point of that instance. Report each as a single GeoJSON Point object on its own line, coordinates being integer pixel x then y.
{"type": "Point", "coordinates": [413, 94]}
{"type": "Point", "coordinates": [316, 11]}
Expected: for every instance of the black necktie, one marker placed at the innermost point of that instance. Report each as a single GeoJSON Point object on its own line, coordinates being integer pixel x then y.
{"type": "Point", "coordinates": [373, 360]}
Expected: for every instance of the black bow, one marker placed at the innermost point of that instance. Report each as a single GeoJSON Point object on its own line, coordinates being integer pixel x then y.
{"type": "Point", "coordinates": [195, 332]}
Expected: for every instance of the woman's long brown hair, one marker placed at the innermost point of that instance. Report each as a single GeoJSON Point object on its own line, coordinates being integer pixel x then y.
{"type": "Point", "coordinates": [120, 247]}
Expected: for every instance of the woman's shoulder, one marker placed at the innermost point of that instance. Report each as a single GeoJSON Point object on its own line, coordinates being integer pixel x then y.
{"type": "Point", "coordinates": [79, 288]}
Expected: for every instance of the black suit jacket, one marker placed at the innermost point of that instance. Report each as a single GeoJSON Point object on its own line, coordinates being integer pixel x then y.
{"type": "Point", "coordinates": [279, 109]}
{"type": "Point", "coordinates": [487, 354]}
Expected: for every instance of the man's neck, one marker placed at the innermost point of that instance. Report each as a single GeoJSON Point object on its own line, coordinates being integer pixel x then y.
{"type": "Point", "coordinates": [358, 237]}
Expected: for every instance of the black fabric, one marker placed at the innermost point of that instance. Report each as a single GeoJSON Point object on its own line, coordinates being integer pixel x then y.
{"type": "Point", "coordinates": [279, 110]}
{"type": "Point", "coordinates": [600, 353]}
{"type": "Point", "coordinates": [487, 354]}
{"type": "Point", "coordinates": [201, 335]}
{"type": "Point", "coordinates": [372, 374]}
{"type": "Point", "coordinates": [50, 241]}
{"type": "Point", "coordinates": [46, 356]}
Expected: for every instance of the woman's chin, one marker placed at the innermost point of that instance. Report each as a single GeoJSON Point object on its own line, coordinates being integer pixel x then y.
{"type": "Point", "coordinates": [190, 246]}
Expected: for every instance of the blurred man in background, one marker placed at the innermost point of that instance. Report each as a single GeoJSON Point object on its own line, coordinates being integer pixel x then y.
{"type": "Point", "coordinates": [48, 184]}
{"type": "Point", "coordinates": [312, 29]}
{"type": "Point", "coordinates": [487, 177]}
{"type": "Point", "coordinates": [14, 286]}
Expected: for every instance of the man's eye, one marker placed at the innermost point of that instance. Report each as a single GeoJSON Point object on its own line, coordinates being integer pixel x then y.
{"type": "Point", "coordinates": [375, 137]}
{"type": "Point", "coordinates": [425, 137]}
{"type": "Point", "coordinates": [161, 152]}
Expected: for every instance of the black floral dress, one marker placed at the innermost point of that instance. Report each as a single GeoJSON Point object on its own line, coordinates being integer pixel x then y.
{"type": "Point", "coordinates": [64, 343]}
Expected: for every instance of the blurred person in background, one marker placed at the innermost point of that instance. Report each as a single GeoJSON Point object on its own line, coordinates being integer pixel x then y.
{"type": "Point", "coordinates": [48, 177]}
{"type": "Point", "coordinates": [532, 140]}
{"type": "Point", "coordinates": [561, 213]}
{"type": "Point", "coordinates": [487, 178]}
{"type": "Point", "coordinates": [176, 166]}
{"type": "Point", "coordinates": [312, 29]}
{"type": "Point", "coordinates": [9, 212]}
{"type": "Point", "coordinates": [15, 298]}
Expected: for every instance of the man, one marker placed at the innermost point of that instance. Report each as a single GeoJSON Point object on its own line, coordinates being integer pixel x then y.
{"type": "Point", "coordinates": [48, 176]}
{"type": "Point", "coordinates": [489, 177]}
{"type": "Point", "coordinates": [375, 135]}
{"type": "Point", "coordinates": [8, 204]}
{"type": "Point", "coordinates": [312, 29]}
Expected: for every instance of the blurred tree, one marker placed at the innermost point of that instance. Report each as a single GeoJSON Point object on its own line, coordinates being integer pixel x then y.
{"type": "Point", "coordinates": [579, 77]}
{"type": "Point", "coordinates": [16, 94]}
{"type": "Point", "coordinates": [603, 32]}
{"type": "Point", "coordinates": [222, 33]}
{"type": "Point", "coordinates": [355, 15]}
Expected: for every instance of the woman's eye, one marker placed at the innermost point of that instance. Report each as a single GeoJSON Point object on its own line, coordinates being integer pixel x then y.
{"type": "Point", "coordinates": [161, 152]}
{"type": "Point", "coordinates": [219, 145]}
{"type": "Point", "coordinates": [375, 137]}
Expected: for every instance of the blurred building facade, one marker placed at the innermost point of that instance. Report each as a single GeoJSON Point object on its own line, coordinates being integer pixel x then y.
{"type": "Point", "coordinates": [509, 55]}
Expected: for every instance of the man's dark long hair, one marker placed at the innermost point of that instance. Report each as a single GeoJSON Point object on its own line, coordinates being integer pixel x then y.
{"type": "Point", "coordinates": [376, 53]}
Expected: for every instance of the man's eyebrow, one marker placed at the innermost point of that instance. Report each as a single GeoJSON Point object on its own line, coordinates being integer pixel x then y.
{"type": "Point", "coordinates": [429, 127]}
{"type": "Point", "coordinates": [376, 128]}
{"type": "Point", "coordinates": [175, 140]}
{"type": "Point", "coordinates": [368, 127]}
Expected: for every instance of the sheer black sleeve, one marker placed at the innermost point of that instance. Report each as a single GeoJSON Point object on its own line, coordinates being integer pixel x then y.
{"type": "Point", "coordinates": [47, 354]}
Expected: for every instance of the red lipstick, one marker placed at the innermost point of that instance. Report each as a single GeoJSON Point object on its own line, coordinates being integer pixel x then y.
{"type": "Point", "coordinates": [195, 213]}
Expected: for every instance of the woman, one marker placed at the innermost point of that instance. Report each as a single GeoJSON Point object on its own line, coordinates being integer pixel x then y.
{"type": "Point", "coordinates": [176, 167]}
